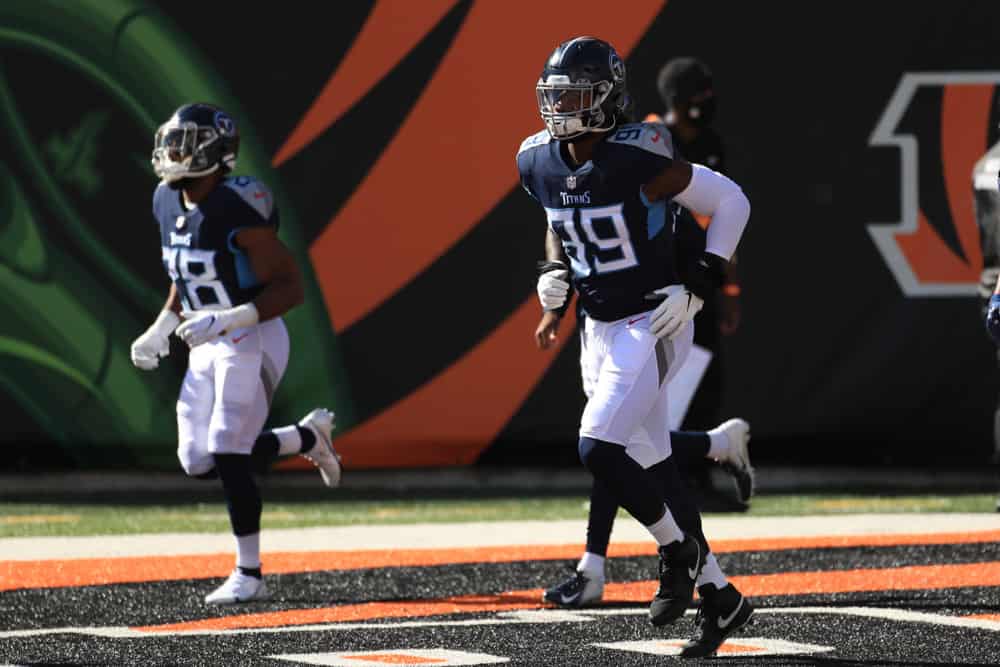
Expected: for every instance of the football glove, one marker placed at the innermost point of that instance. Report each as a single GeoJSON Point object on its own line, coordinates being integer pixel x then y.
{"type": "Point", "coordinates": [205, 325]}
{"type": "Point", "coordinates": [677, 309]}
{"type": "Point", "coordinates": [553, 288]}
{"type": "Point", "coordinates": [993, 318]}
{"type": "Point", "coordinates": [155, 341]}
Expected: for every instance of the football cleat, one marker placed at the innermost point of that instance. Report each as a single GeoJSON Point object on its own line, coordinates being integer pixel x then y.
{"type": "Point", "coordinates": [323, 455]}
{"type": "Point", "coordinates": [680, 565]}
{"type": "Point", "coordinates": [722, 613]}
{"type": "Point", "coordinates": [737, 460]}
{"type": "Point", "coordinates": [238, 587]}
{"type": "Point", "coordinates": [578, 591]}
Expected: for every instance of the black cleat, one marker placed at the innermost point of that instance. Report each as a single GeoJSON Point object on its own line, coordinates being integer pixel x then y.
{"type": "Point", "coordinates": [577, 591]}
{"type": "Point", "coordinates": [680, 565]}
{"type": "Point", "coordinates": [721, 614]}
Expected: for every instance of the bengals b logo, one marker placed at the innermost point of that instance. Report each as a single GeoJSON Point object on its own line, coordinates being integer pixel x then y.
{"type": "Point", "coordinates": [942, 123]}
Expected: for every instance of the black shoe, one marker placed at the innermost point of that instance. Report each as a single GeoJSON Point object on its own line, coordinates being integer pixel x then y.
{"type": "Point", "coordinates": [680, 565]}
{"type": "Point", "coordinates": [577, 591]}
{"type": "Point", "coordinates": [722, 613]}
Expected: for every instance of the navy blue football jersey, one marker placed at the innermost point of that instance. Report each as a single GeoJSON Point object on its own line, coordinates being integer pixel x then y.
{"type": "Point", "coordinates": [620, 246]}
{"type": "Point", "coordinates": [200, 252]}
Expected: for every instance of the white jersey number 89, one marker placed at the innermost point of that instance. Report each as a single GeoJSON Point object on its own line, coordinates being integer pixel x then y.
{"type": "Point", "coordinates": [592, 253]}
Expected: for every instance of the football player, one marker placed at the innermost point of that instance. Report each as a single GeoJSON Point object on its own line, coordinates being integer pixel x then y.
{"type": "Point", "coordinates": [231, 281]}
{"type": "Point", "coordinates": [606, 189]}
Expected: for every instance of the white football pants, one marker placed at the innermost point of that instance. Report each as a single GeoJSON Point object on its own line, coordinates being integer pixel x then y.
{"type": "Point", "coordinates": [625, 374]}
{"type": "Point", "coordinates": [226, 393]}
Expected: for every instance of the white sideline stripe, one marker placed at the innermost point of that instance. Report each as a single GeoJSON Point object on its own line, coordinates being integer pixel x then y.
{"type": "Point", "coordinates": [481, 534]}
{"type": "Point", "coordinates": [541, 616]}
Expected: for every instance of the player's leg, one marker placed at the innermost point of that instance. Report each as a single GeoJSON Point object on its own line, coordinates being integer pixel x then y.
{"type": "Point", "coordinates": [585, 586]}
{"type": "Point", "coordinates": [194, 412]}
{"type": "Point", "coordinates": [311, 438]}
{"type": "Point", "coordinates": [245, 382]}
{"type": "Point", "coordinates": [723, 609]}
{"type": "Point", "coordinates": [727, 444]}
{"type": "Point", "coordinates": [632, 378]}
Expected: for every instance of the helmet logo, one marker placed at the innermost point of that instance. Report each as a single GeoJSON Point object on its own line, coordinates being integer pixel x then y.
{"type": "Point", "coordinates": [224, 124]}
{"type": "Point", "coordinates": [617, 66]}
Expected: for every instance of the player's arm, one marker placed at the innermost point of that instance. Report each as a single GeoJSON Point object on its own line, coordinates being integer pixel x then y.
{"type": "Point", "coordinates": [553, 289]}
{"type": "Point", "coordinates": [275, 268]}
{"type": "Point", "coordinates": [709, 193]}
{"type": "Point", "coordinates": [155, 341]}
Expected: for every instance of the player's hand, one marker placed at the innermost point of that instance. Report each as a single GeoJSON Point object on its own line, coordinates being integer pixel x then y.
{"type": "Point", "coordinates": [205, 325]}
{"type": "Point", "coordinates": [547, 330]}
{"type": "Point", "coordinates": [553, 289]}
{"type": "Point", "coordinates": [154, 342]}
{"type": "Point", "coordinates": [676, 310]}
{"type": "Point", "coordinates": [993, 318]}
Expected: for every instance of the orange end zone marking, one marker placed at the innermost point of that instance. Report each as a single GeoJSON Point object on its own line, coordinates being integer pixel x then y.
{"type": "Point", "coordinates": [99, 571]}
{"type": "Point", "coordinates": [923, 577]}
{"type": "Point", "coordinates": [395, 659]}
{"type": "Point", "coordinates": [464, 604]}
{"type": "Point", "coordinates": [728, 647]}
{"type": "Point", "coordinates": [985, 617]}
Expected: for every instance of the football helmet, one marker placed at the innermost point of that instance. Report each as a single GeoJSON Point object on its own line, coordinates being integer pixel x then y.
{"type": "Point", "coordinates": [582, 88]}
{"type": "Point", "coordinates": [198, 140]}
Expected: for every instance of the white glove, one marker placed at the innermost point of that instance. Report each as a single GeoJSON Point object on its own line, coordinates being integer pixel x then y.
{"type": "Point", "coordinates": [679, 308]}
{"type": "Point", "coordinates": [205, 325]}
{"type": "Point", "coordinates": [155, 341]}
{"type": "Point", "coordinates": [552, 289]}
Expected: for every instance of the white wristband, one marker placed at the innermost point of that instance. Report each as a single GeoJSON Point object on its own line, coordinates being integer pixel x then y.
{"type": "Point", "coordinates": [244, 316]}
{"type": "Point", "coordinates": [165, 323]}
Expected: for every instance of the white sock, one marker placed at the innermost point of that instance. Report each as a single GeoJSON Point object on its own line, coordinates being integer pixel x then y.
{"type": "Point", "coordinates": [666, 529]}
{"type": "Point", "coordinates": [289, 440]}
{"type": "Point", "coordinates": [592, 564]}
{"type": "Point", "coordinates": [248, 550]}
{"type": "Point", "coordinates": [712, 573]}
{"type": "Point", "coordinates": [719, 444]}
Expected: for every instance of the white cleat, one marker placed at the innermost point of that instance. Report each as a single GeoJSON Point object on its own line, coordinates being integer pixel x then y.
{"type": "Point", "coordinates": [238, 587]}
{"type": "Point", "coordinates": [737, 459]}
{"type": "Point", "coordinates": [323, 455]}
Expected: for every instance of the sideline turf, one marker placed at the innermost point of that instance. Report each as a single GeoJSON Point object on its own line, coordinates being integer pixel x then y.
{"type": "Point", "coordinates": [89, 518]}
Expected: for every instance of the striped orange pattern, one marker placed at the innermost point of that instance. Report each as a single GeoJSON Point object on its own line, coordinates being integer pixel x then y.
{"type": "Point", "coordinates": [98, 571]}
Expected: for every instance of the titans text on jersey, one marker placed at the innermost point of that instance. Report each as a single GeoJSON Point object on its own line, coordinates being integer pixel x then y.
{"type": "Point", "coordinates": [619, 244]}
{"type": "Point", "coordinates": [199, 246]}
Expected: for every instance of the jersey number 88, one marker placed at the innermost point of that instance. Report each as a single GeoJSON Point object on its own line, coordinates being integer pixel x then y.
{"type": "Point", "coordinates": [193, 271]}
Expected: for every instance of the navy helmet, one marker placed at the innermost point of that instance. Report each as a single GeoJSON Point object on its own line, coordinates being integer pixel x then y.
{"type": "Point", "coordinates": [198, 140]}
{"type": "Point", "coordinates": [582, 88]}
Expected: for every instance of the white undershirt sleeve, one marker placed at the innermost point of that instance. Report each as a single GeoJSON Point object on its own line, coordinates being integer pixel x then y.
{"type": "Point", "coordinates": [712, 194]}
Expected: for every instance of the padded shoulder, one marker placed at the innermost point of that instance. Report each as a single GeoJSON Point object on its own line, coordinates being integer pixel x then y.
{"type": "Point", "coordinates": [253, 192]}
{"type": "Point", "coordinates": [537, 139]}
{"type": "Point", "coordinates": [649, 136]}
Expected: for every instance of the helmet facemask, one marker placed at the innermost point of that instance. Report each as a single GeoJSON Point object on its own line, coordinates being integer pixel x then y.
{"type": "Point", "coordinates": [181, 150]}
{"type": "Point", "coordinates": [571, 109]}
